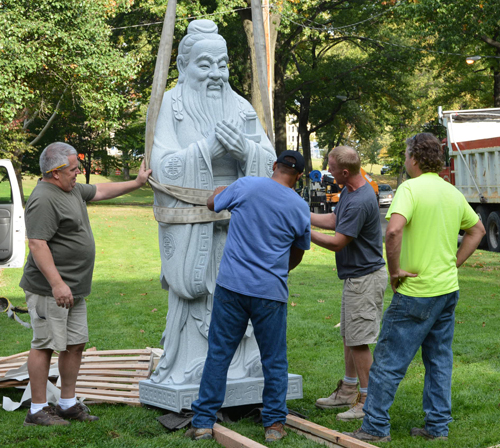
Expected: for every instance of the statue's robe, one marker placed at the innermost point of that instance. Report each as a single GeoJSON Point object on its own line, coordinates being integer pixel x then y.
{"type": "Point", "coordinates": [191, 252]}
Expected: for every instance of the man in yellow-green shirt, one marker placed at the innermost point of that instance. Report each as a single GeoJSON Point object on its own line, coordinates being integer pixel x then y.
{"type": "Point", "coordinates": [421, 243]}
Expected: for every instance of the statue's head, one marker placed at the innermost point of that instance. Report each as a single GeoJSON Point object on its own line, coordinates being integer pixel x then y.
{"type": "Point", "coordinates": [202, 59]}
{"type": "Point", "coordinates": [207, 96]}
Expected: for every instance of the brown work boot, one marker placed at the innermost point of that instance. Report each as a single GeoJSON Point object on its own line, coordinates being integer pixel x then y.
{"type": "Point", "coordinates": [344, 395]}
{"type": "Point", "coordinates": [275, 432]}
{"type": "Point", "coordinates": [46, 417]}
{"type": "Point", "coordinates": [356, 411]}
{"type": "Point", "coordinates": [78, 412]}
{"type": "Point", "coordinates": [199, 433]}
{"type": "Point", "coordinates": [367, 437]}
{"type": "Point", "coordinates": [422, 432]}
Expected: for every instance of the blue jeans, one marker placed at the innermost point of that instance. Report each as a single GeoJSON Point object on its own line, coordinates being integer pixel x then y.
{"type": "Point", "coordinates": [408, 323]}
{"type": "Point", "coordinates": [230, 315]}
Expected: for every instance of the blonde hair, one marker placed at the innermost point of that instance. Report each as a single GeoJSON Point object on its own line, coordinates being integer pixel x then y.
{"type": "Point", "coordinates": [347, 158]}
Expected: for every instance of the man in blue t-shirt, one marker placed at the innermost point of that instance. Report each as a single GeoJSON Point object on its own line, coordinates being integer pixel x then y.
{"type": "Point", "coordinates": [357, 244]}
{"type": "Point", "coordinates": [268, 233]}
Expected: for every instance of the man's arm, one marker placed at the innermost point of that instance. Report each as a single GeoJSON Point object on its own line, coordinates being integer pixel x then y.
{"type": "Point", "coordinates": [470, 241]}
{"type": "Point", "coordinates": [211, 199]}
{"type": "Point", "coordinates": [393, 238]}
{"type": "Point", "coordinates": [45, 262]}
{"type": "Point", "coordinates": [335, 243]}
{"type": "Point", "coordinates": [296, 255]}
{"type": "Point", "coordinates": [112, 190]}
{"type": "Point", "coordinates": [325, 221]}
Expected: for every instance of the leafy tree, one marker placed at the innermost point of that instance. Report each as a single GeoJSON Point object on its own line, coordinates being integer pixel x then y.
{"type": "Point", "coordinates": [451, 30]}
{"type": "Point", "coordinates": [57, 55]}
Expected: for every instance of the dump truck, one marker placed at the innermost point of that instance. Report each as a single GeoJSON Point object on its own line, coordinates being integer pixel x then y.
{"type": "Point", "coordinates": [473, 164]}
{"type": "Point", "coordinates": [12, 228]}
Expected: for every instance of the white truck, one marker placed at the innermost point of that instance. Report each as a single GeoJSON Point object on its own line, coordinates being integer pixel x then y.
{"type": "Point", "coordinates": [12, 229]}
{"type": "Point", "coordinates": [473, 164]}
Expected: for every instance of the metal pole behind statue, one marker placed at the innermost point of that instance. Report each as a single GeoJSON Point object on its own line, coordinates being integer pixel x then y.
{"type": "Point", "coordinates": [160, 76]}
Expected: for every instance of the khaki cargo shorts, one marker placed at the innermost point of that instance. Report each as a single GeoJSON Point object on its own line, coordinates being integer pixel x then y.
{"type": "Point", "coordinates": [362, 307]}
{"type": "Point", "coordinates": [55, 327]}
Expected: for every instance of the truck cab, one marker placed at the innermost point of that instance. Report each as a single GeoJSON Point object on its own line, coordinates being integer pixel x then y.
{"type": "Point", "coordinates": [12, 228]}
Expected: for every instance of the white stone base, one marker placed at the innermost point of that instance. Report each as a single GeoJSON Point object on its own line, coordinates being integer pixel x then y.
{"type": "Point", "coordinates": [238, 393]}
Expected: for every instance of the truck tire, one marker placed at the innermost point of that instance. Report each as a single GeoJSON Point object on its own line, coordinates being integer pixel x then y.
{"type": "Point", "coordinates": [483, 213]}
{"type": "Point", "coordinates": [493, 231]}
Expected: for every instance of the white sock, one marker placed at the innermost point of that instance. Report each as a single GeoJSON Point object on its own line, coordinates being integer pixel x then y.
{"type": "Point", "coordinates": [67, 403]}
{"type": "Point", "coordinates": [36, 407]}
{"type": "Point", "coordinates": [349, 380]}
{"type": "Point", "coordinates": [363, 390]}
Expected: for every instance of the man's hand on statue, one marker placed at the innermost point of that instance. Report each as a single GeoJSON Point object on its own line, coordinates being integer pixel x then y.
{"type": "Point", "coordinates": [142, 176]}
{"type": "Point", "coordinates": [232, 138]}
{"type": "Point", "coordinates": [62, 293]}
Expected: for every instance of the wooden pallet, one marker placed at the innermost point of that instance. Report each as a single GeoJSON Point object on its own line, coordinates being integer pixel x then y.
{"type": "Point", "coordinates": [105, 376]}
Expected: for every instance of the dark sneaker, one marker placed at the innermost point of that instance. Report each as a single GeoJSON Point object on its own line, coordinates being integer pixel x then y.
{"type": "Point", "coordinates": [422, 432]}
{"type": "Point", "coordinates": [275, 432]}
{"type": "Point", "coordinates": [199, 433]}
{"type": "Point", "coordinates": [46, 417]}
{"type": "Point", "coordinates": [362, 435]}
{"type": "Point", "coordinates": [78, 412]}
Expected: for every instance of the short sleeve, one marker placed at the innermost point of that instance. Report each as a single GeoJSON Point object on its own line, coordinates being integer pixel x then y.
{"type": "Point", "coordinates": [352, 221]}
{"type": "Point", "coordinates": [469, 217]}
{"type": "Point", "coordinates": [402, 203]}
{"type": "Point", "coordinates": [304, 241]}
{"type": "Point", "coordinates": [225, 200]}
{"type": "Point", "coordinates": [87, 191]}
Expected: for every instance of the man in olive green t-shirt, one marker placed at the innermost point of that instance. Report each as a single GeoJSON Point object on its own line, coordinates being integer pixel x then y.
{"type": "Point", "coordinates": [421, 243]}
{"type": "Point", "coordinates": [58, 275]}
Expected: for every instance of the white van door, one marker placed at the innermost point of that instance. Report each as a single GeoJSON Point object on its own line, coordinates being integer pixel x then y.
{"type": "Point", "coordinates": [12, 229]}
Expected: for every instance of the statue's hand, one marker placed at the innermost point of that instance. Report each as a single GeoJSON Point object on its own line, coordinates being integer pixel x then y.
{"type": "Point", "coordinates": [232, 139]}
{"type": "Point", "coordinates": [216, 148]}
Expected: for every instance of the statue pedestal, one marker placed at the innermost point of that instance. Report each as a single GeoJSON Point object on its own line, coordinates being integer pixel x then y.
{"type": "Point", "coordinates": [238, 393]}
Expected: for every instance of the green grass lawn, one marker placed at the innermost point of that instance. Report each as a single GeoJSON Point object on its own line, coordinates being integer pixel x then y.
{"type": "Point", "coordinates": [127, 309]}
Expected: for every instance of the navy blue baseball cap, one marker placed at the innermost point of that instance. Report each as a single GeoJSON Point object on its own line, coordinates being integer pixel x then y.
{"type": "Point", "coordinates": [299, 164]}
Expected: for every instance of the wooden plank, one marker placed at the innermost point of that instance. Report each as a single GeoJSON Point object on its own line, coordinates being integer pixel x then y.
{"type": "Point", "coordinates": [314, 438]}
{"type": "Point", "coordinates": [109, 379]}
{"type": "Point", "coordinates": [17, 355]}
{"type": "Point", "coordinates": [101, 385]}
{"type": "Point", "coordinates": [117, 352]}
{"type": "Point", "coordinates": [107, 393]}
{"type": "Point", "coordinates": [13, 383]}
{"type": "Point", "coordinates": [88, 359]}
{"type": "Point", "coordinates": [231, 439]}
{"type": "Point", "coordinates": [325, 433]}
{"type": "Point", "coordinates": [141, 375]}
{"type": "Point", "coordinates": [111, 365]}
{"type": "Point", "coordinates": [125, 400]}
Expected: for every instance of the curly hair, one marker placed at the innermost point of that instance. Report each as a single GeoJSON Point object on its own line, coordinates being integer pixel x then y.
{"type": "Point", "coordinates": [427, 151]}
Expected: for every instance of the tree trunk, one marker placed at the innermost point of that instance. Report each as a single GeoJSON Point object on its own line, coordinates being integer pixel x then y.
{"type": "Point", "coordinates": [126, 171]}
{"type": "Point", "coordinates": [496, 87]}
{"type": "Point", "coordinates": [17, 156]}
{"type": "Point", "coordinates": [279, 107]}
{"type": "Point", "coordinates": [304, 132]}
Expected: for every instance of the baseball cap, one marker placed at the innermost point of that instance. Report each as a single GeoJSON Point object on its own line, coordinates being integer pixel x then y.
{"type": "Point", "coordinates": [299, 160]}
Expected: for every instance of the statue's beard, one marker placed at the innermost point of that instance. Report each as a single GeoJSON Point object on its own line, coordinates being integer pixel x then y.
{"type": "Point", "coordinates": [208, 107]}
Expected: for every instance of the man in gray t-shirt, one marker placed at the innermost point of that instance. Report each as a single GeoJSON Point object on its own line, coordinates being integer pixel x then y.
{"type": "Point", "coordinates": [58, 275]}
{"type": "Point", "coordinates": [358, 248]}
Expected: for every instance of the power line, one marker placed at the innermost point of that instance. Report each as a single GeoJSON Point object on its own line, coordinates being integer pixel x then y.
{"type": "Point", "coordinates": [328, 29]}
{"type": "Point", "coordinates": [218, 13]}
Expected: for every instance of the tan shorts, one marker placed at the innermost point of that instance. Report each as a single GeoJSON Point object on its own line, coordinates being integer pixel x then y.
{"type": "Point", "coordinates": [55, 327]}
{"type": "Point", "coordinates": [362, 307]}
